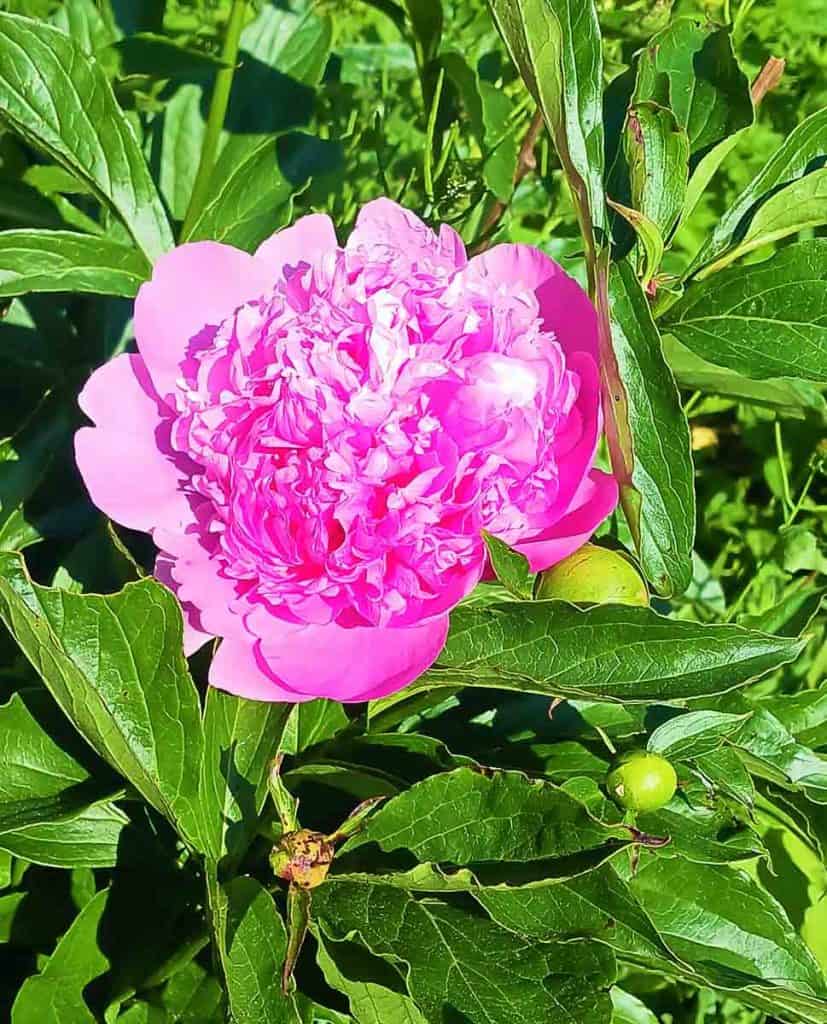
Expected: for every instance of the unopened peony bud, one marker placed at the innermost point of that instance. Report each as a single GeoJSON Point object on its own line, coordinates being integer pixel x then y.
{"type": "Point", "coordinates": [594, 575]}
{"type": "Point", "coordinates": [302, 858]}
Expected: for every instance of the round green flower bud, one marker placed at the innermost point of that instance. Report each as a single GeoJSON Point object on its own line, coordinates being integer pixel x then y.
{"type": "Point", "coordinates": [593, 575]}
{"type": "Point", "coordinates": [642, 781]}
{"type": "Point", "coordinates": [302, 858]}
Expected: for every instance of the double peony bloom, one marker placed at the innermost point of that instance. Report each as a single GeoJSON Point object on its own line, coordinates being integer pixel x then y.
{"type": "Point", "coordinates": [315, 437]}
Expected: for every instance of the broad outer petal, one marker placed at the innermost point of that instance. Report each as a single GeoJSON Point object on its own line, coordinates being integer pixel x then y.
{"type": "Point", "coordinates": [236, 668]}
{"type": "Point", "coordinates": [199, 284]}
{"type": "Point", "coordinates": [595, 499]}
{"type": "Point", "coordinates": [565, 307]}
{"type": "Point", "coordinates": [122, 458]}
{"type": "Point", "coordinates": [343, 664]}
{"type": "Point", "coordinates": [194, 636]}
{"type": "Point", "coordinates": [195, 578]}
{"type": "Point", "coordinates": [307, 238]}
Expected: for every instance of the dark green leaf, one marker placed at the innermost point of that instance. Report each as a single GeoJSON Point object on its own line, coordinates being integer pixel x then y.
{"type": "Point", "coordinates": [725, 772]}
{"type": "Point", "coordinates": [42, 782]}
{"type": "Point", "coordinates": [465, 817]}
{"type": "Point", "coordinates": [255, 944]}
{"type": "Point", "coordinates": [610, 652]}
{"type": "Point", "coordinates": [426, 20]}
{"type": "Point", "coordinates": [803, 714]}
{"type": "Point", "coordinates": [67, 261]}
{"type": "Point", "coordinates": [249, 198]}
{"type": "Point", "coordinates": [82, 20]}
{"type": "Point", "coordinates": [692, 70]}
{"type": "Point", "coordinates": [661, 507]}
{"type": "Point", "coordinates": [313, 722]}
{"type": "Point", "coordinates": [116, 667]}
{"type": "Point", "coordinates": [283, 56]}
{"type": "Point", "coordinates": [25, 459]}
{"type": "Point", "coordinates": [557, 49]}
{"type": "Point", "coordinates": [800, 205]}
{"type": "Point", "coordinates": [793, 397]}
{"type": "Point", "coordinates": [76, 120]}
{"type": "Point", "coordinates": [597, 904]}
{"type": "Point", "coordinates": [510, 566]}
{"type": "Point", "coordinates": [800, 153]}
{"type": "Point", "coordinates": [370, 1002]}
{"type": "Point", "coordinates": [94, 838]}
{"type": "Point", "coordinates": [628, 1009]}
{"type": "Point", "coordinates": [183, 125]}
{"type": "Point", "coordinates": [157, 56]}
{"type": "Point", "coordinates": [701, 833]}
{"type": "Point", "coordinates": [463, 966]}
{"type": "Point", "coordinates": [767, 319]}
{"type": "Point", "coordinates": [241, 737]}
{"type": "Point", "coordinates": [725, 925]}
{"type": "Point", "coordinates": [657, 152]}
{"type": "Point", "coordinates": [773, 752]}
{"type": "Point", "coordinates": [55, 995]}
{"type": "Point", "coordinates": [693, 734]}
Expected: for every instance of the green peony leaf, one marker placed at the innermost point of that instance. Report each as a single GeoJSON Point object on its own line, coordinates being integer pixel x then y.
{"type": "Point", "coordinates": [116, 667]}
{"type": "Point", "coordinates": [611, 652]}
{"type": "Point", "coordinates": [660, 503]}
{"type": "Point", "coordinates": [461, 965]}
{"type": "Point", "coordinates": [253, 947]}
{"type": "Point", "coordinates": [74, 118]}
{"type": "Point", "coordinates": [67, 261]}
{"type": "Point", "coordinates": [767, 319]}
{"type": "Point", "coordinates": [241, 737]}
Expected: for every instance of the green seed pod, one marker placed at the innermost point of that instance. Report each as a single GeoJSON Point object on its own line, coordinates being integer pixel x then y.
{"type": "Point", "coordinates": [594, 575]}
{"type": "Point", "coordinates": [302, 858]}
{"type": "Point", "coordinates": [642, 781]}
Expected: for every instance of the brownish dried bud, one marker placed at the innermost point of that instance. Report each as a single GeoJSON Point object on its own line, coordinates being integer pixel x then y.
{"type": "Point", "coordinates": [302, 858]}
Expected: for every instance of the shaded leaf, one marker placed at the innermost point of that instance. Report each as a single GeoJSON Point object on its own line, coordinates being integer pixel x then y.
{"type": "Point", "coordinates": [241, 737]}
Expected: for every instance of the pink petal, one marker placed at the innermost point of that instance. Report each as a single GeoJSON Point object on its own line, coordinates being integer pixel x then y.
{"type": "Point", "coordinates": [345, 664]}
{"type": "Point", "coordinates": [125, 460]}
{"type": "Point", "coordinates": [595, 499]}
{"type": "Point", "coordinates": [566, 309]}
{"type": "Point", "coordinates": [308, 237]}
{"type": "Point", "coordinates": [194, 636]}
{"type": "Point", "coordinates": [236, 669]}
{"type": "Point", "coordinates": [384, 223]}
{"type": "Point", "coordinates": [193, 286]}
{"type": "Point", "coordinates": [195, 578]}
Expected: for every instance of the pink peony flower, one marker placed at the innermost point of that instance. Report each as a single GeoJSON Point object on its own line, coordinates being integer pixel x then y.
{"type": "Point", "coordinates": [315, 437]}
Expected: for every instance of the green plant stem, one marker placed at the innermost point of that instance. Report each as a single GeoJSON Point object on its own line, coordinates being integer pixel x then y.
{"type": "Point", "coordinates": [782, 466]}
{"type": "Point", "coordinates": [429, 137]}
{"type": "Point", "coordinates": [218, 111]}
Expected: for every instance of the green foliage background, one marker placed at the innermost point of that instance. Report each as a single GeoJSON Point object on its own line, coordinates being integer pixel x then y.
{"type": "Point", "coordinates": [121, 897]}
